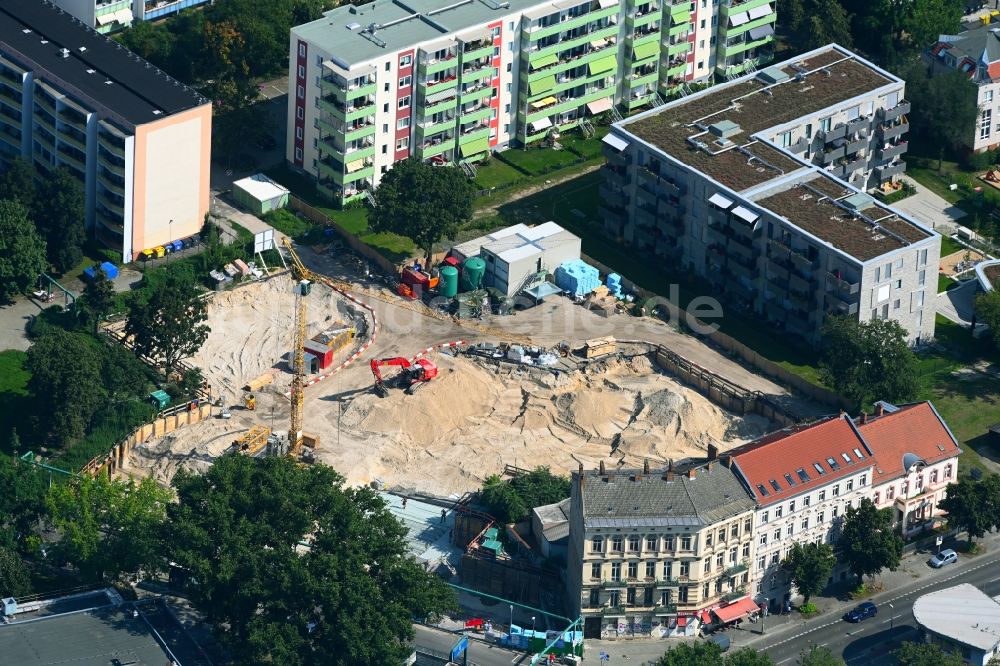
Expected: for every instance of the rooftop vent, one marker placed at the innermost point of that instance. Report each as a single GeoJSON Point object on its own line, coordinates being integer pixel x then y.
{"type": "Point", "coordinates": [724, 129]}
{"type": "Point", "coordinates": [772, 75]}
{"type": "Point", "coordinates": [353, 25]}
{"type": "Point", "coordinates": [82, 49]}
{"type": "Point", "coordinates": [859, 201]}
{"type": "Point", "coordinates": [26, 30]}
{"type": "Point", "coordinates": [64, 53]}
{"type": "Point", "coordinates": [91, 71]}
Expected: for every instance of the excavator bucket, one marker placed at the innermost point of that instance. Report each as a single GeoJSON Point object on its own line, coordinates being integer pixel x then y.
{"type": "Point", "coordinates": [381, 391]}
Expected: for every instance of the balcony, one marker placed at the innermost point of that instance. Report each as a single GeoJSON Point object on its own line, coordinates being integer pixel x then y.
{"type": "Point", "coordinates": [833, 154]}
{"type": "Point", "coordinates": [858, 124]}
{"type": "Point", "coordinates": [437, 85]}
{"type": "Point", "coordinates": [479, 48]}
{"type": "Point", "coordinates": [890, 171]}
{"type": "Point", "coordinates": [799, 146]}
{"type": "Point", "coordinates": [837, 132]}
{"type": "Point", "coordinates": [890, 132]}
{"type": "Point", "coordinates": [893, 151]}
{"type": "Point", "coordinates": [613, 610]}
{"type": "Point", "coordinates": [776, 271]}
{"type": "Point", "coordinates": [839, 307]}
{"type": "Point", "coordinates": [902, 108]}
{"type": "Point", "coordinates": [856, 146]}
{"type": "Point", "coordinates": [835, 280]}
{"type": "Point", "coordinates": [676, 581]}
{"type": "Point", "coordinates": [664, 609]}
{"type": "Point", "coordinates": [736, 569]}
{"type": "Point", "coordinates": [734, 594]}
{"type": "Point", "coordinates": [856, 165]}
{"type": "Point", "coordinates": [615, 584]}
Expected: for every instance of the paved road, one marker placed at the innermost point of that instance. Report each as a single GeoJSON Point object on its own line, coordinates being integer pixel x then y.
{"type": "Point", "coordinates": [437, 641]}
{"type": "Point", "coordinates": [930, 209]}
{"type": "Point", "coordinates": [870, 642]}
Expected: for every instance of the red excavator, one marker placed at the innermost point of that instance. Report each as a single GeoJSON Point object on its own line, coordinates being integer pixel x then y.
{"type": "Point", "coordinates": [411, 377]}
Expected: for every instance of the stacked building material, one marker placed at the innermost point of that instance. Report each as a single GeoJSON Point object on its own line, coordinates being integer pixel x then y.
{"type": "Point", "coordinates": [577, 277]}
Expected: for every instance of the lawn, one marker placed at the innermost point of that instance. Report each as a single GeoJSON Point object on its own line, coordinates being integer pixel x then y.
{"type": "Point", "coordinates": [939, 183]}
{"type": "Point", "coordinates": [949, 246]}
{"type": "Point", "coordinates": [13, 396]}
{"type": "Point", "coordinates": [945, 283]}
{"type": "Point", "coordinates": [539, 161]}
{"type": "Point", "coordinates": [586, 148]}
{"type": "Point", "coordinates": [497, 174]}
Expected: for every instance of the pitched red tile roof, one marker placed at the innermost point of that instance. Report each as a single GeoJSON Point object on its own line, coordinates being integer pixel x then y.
{"type": "Point", "coordinates": [915, 429]}
{"type": "Point", "coordinates": [801, 448]}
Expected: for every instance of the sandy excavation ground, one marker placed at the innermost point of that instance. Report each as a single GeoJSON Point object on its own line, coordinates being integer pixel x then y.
{"type": "Point", "coordinates": [252, 332]}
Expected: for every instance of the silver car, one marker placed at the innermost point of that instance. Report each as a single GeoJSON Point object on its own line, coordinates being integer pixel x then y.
{"type": "Point", "coordinates": [947, 556]}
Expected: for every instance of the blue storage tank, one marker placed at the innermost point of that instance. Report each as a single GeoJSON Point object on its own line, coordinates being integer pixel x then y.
{"type": "Point", "coordinates": [577, 277]}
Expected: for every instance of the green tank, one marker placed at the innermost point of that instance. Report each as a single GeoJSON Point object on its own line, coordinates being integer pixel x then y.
{"type": "Point", "coordinates": [473, 270]}
{"type": "Point", "coordinates": [449, 282]}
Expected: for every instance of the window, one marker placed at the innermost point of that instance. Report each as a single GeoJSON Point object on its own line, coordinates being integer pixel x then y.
{"type": "Point", "coordinates": [806, 500]}
{"type": "Point", "coordinates": [763, 539]}
{"type": "Point", "coordinates": [895, 304]}
{"type": "Point", "coordinates": [820, 517]}
{"type": "Point", "coordinates": [777, 534]}
{"type": "Point", "coordinates": [890, 492]}
{"type": "Point", "coordinates": [302, 71]}
{"type": "Point", "coordinates": [878, 497]}
{"type": "Point", "coordinates": [298, 133]}
{"type": "Point", "coordinates": [863, 480]}
{"type": "Point", "coordinates": [406, 81]}
{"type": "Point", "coordinates": [834, 512]}
{"type": "Point", "coordinates": [595, 570]}
{"type": "Point", "coordinates": [923, 257]}
{"type": "Point", "coordinates": [791, 506]}
{"type": "Point", "coordinates": [785, 140]}
{"type": "Point", "coordinates": [746, 525]}
{"type": "Point", "coordinates": [947, 471]}
{"type": "Point", "coordinates": [298, 153]}
{"type": "Point", "coordinates": [669, 543]}
{"type": "Point", "coordinates": [707, 564]}
{"type": "Point", "coordinates": [633, 570]}
{"type": "Point", "coordinates": [403, 103]}
{"type": "Point", "coordinates": [775, 558]}
{"type": "Point", "coordinates": [403, 144]}
{"type": "Point", "coordinates": [732, 555]}
{"type": "Point", "coordinates": [763, 517]}
{"type": "Point", "coordinates": [668, 568]}
{"type": "Point", "coordinates": [403, 123]}
{"type": "Point", "coordinates": [822, 495]}
{"type": "Point", "coordinates": [987, 96]}
{"type": "Point", "coordinates": [854, 113]}
{"type": "Point", "coordinates": [701, 63]}
{"type": "Point", "coordinates": [850, 485]}
{"type": "Point", "coordinates": [300, 113]}
{"type": "Point", "coordinates": [616, 571]}
{"type": "Point", "coordinates": [934, 475]}
{"type": "Point", "coordinates": [762, 562]}
{"type": "Point", "coordinates": [985, 120]}
{"type": "Point", "coordinates": [734, 531]}
{"type": "Point", "coordinates": [836, 490]}
{"type": "Point", "coordinates": [651, 543]}
{"type": "Point", "coordinates": [595, 598]}
{"type": "Point", "coordinates": [650, 569]}
{"type": "Point", "coordinates": [685, 569]}
{"type": "Point", "coordinates": [665, 598]}
{"type": "Point", "coordinates": [905, 489]}
{"type": "Point", "coordinates": [385, 149]}
{"type": "Point", "coordinates": [300, 92]}
{"type": "Point", "coordinates": [614, 598]}
{"type": "Point", "coordinates": [302, 50]}
{"type": "Point", "coordinates": [633, 543]}
{"type": "Point", "coordinates": [617, 544]}
{"type": "Point", "coordinates": [790, 530]}
{"type": "Point", "coordinates": [385, 108]}
{"type": "Point", "coordinates": [824, 124]}
{"type": "Point", "coordinates": [805, 523]}
{"type": "Point", "coordinates": [722, 534]}
{"type": "Point", "coordinates": [778, 512]}
{"type": "Point", "coordinates": [708, 539]}
{"type": "Point", "coordinates": [405, 61]}
{"type": "Point", "coordinates": [685, 543]}
{"type": "Point", "coordinates": [922, 277]}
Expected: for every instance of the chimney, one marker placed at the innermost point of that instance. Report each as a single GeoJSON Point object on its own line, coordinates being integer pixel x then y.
{"type": "Point", "coordinates": [711, 464]}
{"type": "Point", "coordinates": [864, 418]}
{"type": "Point", "coordinates": [879, 409]}
{"type": "Point", "coordinates": [691, 473]}
{"type": "Point", "coordinates": [645, 466]}
{"type": "Point", "coordinates": [602, 470]}
{"type": "Point", "coordinates": [842, 413]}
{"type": "Point", "coordinates": [580, 476]}
{"type": "Point", "coordinates": [668, 475]}
{"type": "Point", "coordinates": [713, 451]}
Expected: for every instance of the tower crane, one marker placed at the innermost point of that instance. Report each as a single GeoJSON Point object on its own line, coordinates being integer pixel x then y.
{"type": "Point", "coordinates": [302, 289]}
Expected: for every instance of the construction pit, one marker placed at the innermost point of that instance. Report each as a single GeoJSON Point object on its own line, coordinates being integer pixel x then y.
{"type": "Point", "coordinates": [469, 422]}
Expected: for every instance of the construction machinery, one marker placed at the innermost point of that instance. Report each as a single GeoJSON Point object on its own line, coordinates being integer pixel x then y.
{"type": "Point", "coordinates": [302, 290]}
{"type": "Point", "coordinates": [253, 440]}
{"type": "Point", "coordinates": [411, 377]}
{"type": "Point", "coordinates": [250, 401]}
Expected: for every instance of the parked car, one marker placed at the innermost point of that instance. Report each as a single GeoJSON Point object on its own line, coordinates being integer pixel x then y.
{"type": "Point", "coordinates": [861, 612]}
{"type": "Point", "coordinates": [721, 640]}
{"type": "Point", "coordinates": [947, 556]}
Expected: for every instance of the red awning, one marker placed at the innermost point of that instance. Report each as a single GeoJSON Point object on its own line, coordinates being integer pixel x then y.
{"type": "Point", "coordinates": [706, 617]}
{"type": "Point", "coordinates": [682, 622]}
{"type": "Point", "coordinates": [735, 610]}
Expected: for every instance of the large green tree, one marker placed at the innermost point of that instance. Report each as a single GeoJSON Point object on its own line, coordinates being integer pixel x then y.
{"type": "Point", "coordinates": [810, 24]}
{"type": "Point", "coordinates": [868, 541]}
{"type": "Point", "coordinates": [988, 311]}
{"type": "Point", "coordinates": [349, 598]}
{"type": "Point", "coordinates": [17, 183]}
{"type": "Point", "coordinates": [98, 297]}
{"type": "Point", "coordinates": [14, 578]}
{"type": "Point", "coordinates": [109, 528]}
{"type": "Point", "coordinates": [706, 653]}
{"type": "Point", "coordinates": [22, 503]}
{"type": "Point", "coordinates": [945, 111]}
{"type": "Point", "coordinates": [65, 384]}
{"type": "Point", "coordinates": [22, 251]}
{"type": "Point", "coordinates": [810, 566]}
{"type": "Point", "coordinates": [511, 501]}
{"type": "Point", "coordinates": [170, 325]}
{"type": "Point", "coordinates": [973, 506]}
{"type": "Point", "coordinates": [421, 201]}
{"type": "Point", "coordinates": [819, 655]}
{"type": "Point", "coordinates": [925, 654]}
{"type": "Point", "coordinates": [59, 213]}
{"type": "Point", "coordinates": [867, 361]}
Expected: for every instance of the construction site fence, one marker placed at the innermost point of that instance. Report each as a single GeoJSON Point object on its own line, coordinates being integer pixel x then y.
{"type": "Point", "coordinates": [733, 347]}
{"type": "Point", "coordinates": [351, 240]}
{"type": "Point", "coordinates": [511, 579]}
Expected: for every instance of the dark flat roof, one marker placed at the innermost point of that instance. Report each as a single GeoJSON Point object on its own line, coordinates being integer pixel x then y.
{"type": "Point", "coordinates": [137, 88]}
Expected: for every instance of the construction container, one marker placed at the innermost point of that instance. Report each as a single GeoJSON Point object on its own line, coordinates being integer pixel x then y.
{"type": "Point", "coordinates": [600, 347]}
{"type": "Point", "coordinates": [472, 274]}
{"type": "Point", "coordinates": [449, 282]}
{"type": "Point", "coordinates": [577, 277]}
{"type": "Point", "coordinates": [160, 399]}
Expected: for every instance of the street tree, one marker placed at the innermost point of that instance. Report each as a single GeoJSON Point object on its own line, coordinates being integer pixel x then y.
{"type": "Point", "coordinates": [819, 655]}
{"type": "Point", "coordinates": [973, 506]}
{"type": "Point", "coordinates": [925, 654]}
{"type": "Point", "coordinates": [17, 183]}
{"type": "Point", "coordinates": [988, 312]}
{"type": "Point", "coordinates": [98, 297]}
{"type": "Point", "coordinates": [700, 653]}
{"type": "Point", "coordinates": [14, 578]}
{"type": "Point", "coordinates": [421, 201]}
{"type": "Point", "coordinates": [867, 361]}
{"type": "Point", "coordinates": [347, 599]}
{"type": "Point", "coordinates": [170, 326]}
{"type": "Point", "coordinates": [59, 215]}
{"type": "Point", "coordinates": [109, 528]}
{"type": "Point", "coordinates": [810, 566]}
{"type": "Point", "coordinates": [748, 657]}
{"type": "Point", "coordinates": [65, 384]}
{"type": "Point", "coordinates": [868, 541]}
{"type": "Point", "coordinates": [22, 251]}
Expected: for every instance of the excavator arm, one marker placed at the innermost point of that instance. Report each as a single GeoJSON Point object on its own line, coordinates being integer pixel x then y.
{"type": "Point", "coordinates": [377, 364]}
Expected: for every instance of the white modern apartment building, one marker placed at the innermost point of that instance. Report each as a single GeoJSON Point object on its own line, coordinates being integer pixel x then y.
{"type": "Point", "coordinates": [916, 457]}
{"type": "Point", "coordinates": [803, 480]}
{"type": "Point", "coordinates": [447, 82]}
{"type": "Point", "coordinates": [110, 15]}
{"type": "Point", "coordinates": [139, 141]}
{"type": "Point", "coordinates": [655, 551]}
{"type": "Point", "coordinates": [975, 52]}
{"type": "Point", "coordinates": [758, 186]}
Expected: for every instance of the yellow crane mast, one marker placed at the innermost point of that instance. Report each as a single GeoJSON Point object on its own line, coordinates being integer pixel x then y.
{"type": "Point", "coordinates": [302, 289]}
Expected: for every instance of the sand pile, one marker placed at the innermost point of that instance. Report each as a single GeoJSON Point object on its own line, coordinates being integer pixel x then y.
{"type": "Point", "coordinates": [252, 331]}
{"type": "Point", "coordinates": [473, 419]}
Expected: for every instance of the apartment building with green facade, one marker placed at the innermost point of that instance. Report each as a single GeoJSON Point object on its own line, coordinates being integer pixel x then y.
{"type": "Point", "coordinates": [448, 82]}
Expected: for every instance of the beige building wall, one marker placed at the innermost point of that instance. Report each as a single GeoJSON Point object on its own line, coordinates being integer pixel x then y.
{"type": "Point", "coordinates": [914, 497]}
{"type": "Point", "coordinates": [172, 174]}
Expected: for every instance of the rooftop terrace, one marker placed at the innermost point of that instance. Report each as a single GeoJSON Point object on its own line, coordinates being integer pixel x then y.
{"type": "Point", "coordinates": [829, 77]}
{"type": "Point", "coordinates": [865, 234]}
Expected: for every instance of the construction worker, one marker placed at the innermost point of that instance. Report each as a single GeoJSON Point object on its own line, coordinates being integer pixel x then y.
{"type": "Point", "coordinates": [404, 502]}
{"type": "Point", "coordinates": [443, 514]}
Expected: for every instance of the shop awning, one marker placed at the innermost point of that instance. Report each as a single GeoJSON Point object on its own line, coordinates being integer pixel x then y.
{"type": "Point", "coordinates": [544, 84]}
{"type": "Point", "coordinates": [546, 101]}
{"type": "Point", "coordinates": [757, 12]}
{"type": "Point", "coordinates": [474, 147]}
{"type": "Point", "coordinates": [602, 65]}
{"type": "Point", "coordinates": [647, 50]}
{"type": "Point", "coordinates": [745, 214]}
{"type": "Point", "coordinates": [682, 621]}
{"type": "Point", "coordinates": [615, 142]}
{"type": "Point", "coordinates": [600, 106]}
{"type": "Point", "coordinates": [760, 32]}
{"type": "Point", "coordinates": [541, 124]}
{"type": "Point", "coordinates": [355, 165]}
{"type": "Point", "coordinates": [544, 61]}
{"type": "Point", "coordinates": [706, 617]}
{"type": "Point", "coordinates": [739, 19]}
{"type": "Point", "coordinates": [735, 610]}
{"type": "Point", "coordinates": [720, 201]}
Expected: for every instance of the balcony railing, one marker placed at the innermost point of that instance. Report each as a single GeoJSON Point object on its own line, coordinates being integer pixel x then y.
{"type": "Point", "coordinates": [734, 594]}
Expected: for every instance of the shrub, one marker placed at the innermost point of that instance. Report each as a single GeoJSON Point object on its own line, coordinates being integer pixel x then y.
{"type": "Point", "coordinates": [808, 609]}
{"type": "Point", "coordinates": [288, 222]}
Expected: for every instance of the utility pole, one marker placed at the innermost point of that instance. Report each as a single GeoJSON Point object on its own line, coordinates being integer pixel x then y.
{"type": "Point", "coordinates": [892, 615]}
